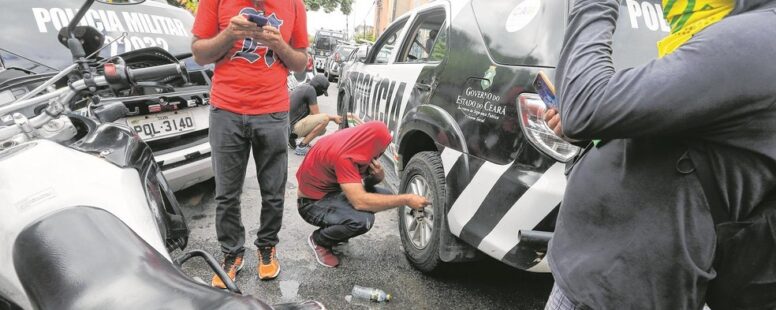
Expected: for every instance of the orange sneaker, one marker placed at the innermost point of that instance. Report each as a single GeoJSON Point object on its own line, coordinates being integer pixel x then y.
{"type": "Point", "coordinates": [232, 265]}
{"type": "Point", "coordinates": [268, 268]}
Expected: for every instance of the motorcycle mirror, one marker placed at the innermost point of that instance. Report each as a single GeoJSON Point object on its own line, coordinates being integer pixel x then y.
{"type": "Point", "coordinates": [72, 42]}
{"type": "Point", "coordinates": [88, 37]}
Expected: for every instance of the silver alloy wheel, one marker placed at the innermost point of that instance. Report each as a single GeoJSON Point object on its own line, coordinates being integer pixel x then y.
{"type": "Point", "coordinates": [419, 224]}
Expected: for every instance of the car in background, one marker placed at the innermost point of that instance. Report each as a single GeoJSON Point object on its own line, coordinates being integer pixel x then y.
{"type": "Point", "coordinates": [173, 122]}
{"type": "Point", "coordinates": [324, 43]}
{"type": "Point", "coordinates": [334, 61]}
{"type": "Point", "coordinates": [296, 78]}
{"type": "Point", "coordinates": [452, 80]}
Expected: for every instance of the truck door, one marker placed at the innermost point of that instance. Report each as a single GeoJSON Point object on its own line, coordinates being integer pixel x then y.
{"type": "Point", "coordinates": [388, 84]}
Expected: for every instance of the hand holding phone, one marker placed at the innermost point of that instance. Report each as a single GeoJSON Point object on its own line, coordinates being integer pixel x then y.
{"type": "Point", "coordinates": [545, 90]}
{"type": "Point", "coordinates": [257, 19]}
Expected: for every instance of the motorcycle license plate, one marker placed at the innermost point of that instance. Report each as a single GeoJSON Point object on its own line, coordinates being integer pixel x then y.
{"type": "Point", "coordinates": [162, 124]}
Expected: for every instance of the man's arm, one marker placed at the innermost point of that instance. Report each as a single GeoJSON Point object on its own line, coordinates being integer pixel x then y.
{"type": "Point", "coordinates": [365, 201]}
{"type": "Point", "coordinates": [687, 93]}
{"type": "Point", "coordinates": [314, 109]}
{"type": "Point", "coordinates": [207, 51]}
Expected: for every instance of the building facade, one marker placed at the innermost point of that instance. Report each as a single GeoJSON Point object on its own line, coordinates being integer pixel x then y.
{"type": "Point", "coordinates": [388, 10]}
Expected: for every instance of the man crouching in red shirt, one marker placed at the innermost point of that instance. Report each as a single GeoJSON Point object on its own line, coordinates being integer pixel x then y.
{"type": "Point", "coordinates": [249, 110]}
{"type": "Point", "coordinates": [337, 187]}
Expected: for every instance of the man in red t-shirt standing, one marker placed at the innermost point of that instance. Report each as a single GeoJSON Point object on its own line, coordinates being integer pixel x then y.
{"type": "Point", "coordinates": [337, 187]}
{"type": "Point", "coordinates": [249, 110]}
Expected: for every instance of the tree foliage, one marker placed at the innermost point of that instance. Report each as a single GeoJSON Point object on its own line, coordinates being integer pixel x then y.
{"type": "Point", "coordinates": [360, 36]}
{"type": "Point", "coordinates": [190, 5]}
{"type": "Point", "coordinates": [328, 6]}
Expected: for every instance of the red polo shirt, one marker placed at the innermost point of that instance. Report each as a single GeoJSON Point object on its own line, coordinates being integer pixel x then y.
{"type": "Point", "coordinates": [251, 79]}
{"type": "Point", "coordinates": [340, 158]}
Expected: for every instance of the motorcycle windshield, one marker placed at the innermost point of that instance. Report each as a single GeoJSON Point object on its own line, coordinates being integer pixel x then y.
{"type": "Point", "coordinates": [30, 30]}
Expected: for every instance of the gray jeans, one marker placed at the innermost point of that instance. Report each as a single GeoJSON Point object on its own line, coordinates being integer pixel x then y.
{"type": "Point", "coordinates": [336, 217]}
{"type": "Point", "coordinates": [232, 136]}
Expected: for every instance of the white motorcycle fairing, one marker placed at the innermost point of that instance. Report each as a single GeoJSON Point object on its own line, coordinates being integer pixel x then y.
{"type": "Point", "coordinates": [41, 177]}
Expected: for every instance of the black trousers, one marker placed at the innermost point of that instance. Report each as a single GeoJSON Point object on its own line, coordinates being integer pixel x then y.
{"type": "Point", "coordinates": [336, 217]}
{"type": "Point", "coordinates": [232, 136]}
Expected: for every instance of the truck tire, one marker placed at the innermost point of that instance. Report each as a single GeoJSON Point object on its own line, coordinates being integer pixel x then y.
{"type": "Point", "coordinates": [421, 231]}
{"type": "Point", "coordinates": [344, 110]}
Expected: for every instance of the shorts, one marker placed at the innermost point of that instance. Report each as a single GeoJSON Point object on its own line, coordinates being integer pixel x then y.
{"type": "Point", "coordinates": [306, 125]}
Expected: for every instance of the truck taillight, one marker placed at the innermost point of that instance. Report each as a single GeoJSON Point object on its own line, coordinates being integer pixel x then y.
{"type": "Point", "coordinates": [531, 109]}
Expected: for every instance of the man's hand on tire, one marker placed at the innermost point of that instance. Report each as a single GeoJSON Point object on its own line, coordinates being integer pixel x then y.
{"type": "Point", "coordinates": [417, 202]}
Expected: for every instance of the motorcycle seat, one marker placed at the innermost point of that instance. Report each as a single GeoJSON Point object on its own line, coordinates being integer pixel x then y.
{"type": "Point", "coordinates": [86, 258]}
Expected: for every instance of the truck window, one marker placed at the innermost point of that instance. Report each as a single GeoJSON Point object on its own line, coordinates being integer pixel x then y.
{"type": "Point", "coordinates": [386, 43]}
{"type": "Point", "coordinates": [323, 43]}
{"type": "Point", "coordinates": [440, 46]}
{"type": "Point", "coordinates": [423, 36]}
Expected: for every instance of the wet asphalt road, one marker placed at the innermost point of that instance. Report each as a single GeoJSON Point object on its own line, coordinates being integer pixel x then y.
{"type": "Point", "coordinates": [375, 259]}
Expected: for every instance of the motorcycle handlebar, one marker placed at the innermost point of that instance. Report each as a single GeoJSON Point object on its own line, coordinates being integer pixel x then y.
{"type": "Point", "coordinates": [113, 74]}
{"type": "Point", "coordinates": [156, 72]}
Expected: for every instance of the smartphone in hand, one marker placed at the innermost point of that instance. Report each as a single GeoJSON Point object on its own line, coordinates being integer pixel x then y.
{"type": "Point", "coordinates": [259, 20]}
{"type": "Point", "coordinates": [545, 90]}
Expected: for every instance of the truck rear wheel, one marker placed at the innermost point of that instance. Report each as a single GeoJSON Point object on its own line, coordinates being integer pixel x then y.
{"type": "Point", "coordinates": [344, 110]}
{"type": "Point", "coordinates": [421, 229]}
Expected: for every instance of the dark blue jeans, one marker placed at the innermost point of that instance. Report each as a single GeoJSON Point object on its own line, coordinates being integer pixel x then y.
{"type": "Point", "coordinates": [232, 136]}
{"type": "Point", "coordinates": [336, 217]}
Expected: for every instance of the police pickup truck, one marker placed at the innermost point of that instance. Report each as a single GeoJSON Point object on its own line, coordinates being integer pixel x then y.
{"type": "Point", "coordinates": [456, 92]}
{"type": "Point", "coordinates": [174, 122]}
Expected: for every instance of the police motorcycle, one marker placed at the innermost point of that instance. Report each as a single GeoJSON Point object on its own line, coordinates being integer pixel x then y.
{"type": "Point", "coordinates": [87, 221]}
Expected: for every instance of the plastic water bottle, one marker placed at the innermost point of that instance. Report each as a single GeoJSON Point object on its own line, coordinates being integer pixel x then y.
{"type": "Point", "coordinates": [368, 293]}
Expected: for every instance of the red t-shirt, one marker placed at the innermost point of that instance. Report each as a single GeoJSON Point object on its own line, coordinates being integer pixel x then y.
{"type": "Point", "coordinates": [251, 79]}
{"type": "Point", "coordinates": [341, 158]}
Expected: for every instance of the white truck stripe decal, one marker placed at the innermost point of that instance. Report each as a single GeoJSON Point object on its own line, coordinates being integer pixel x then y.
{"type": "Point", "coordinates": [472, 196]}
{"type": "Point", "coordinates": [542, 267]}
{"type": "Point", "coordinates": [449, 157]}
{"type": "Point", "coordinates": [530, 209]}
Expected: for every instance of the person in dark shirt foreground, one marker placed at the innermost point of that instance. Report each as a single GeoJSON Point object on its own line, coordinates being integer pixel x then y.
{"type": "Point", "coordinates": [635, 230]}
